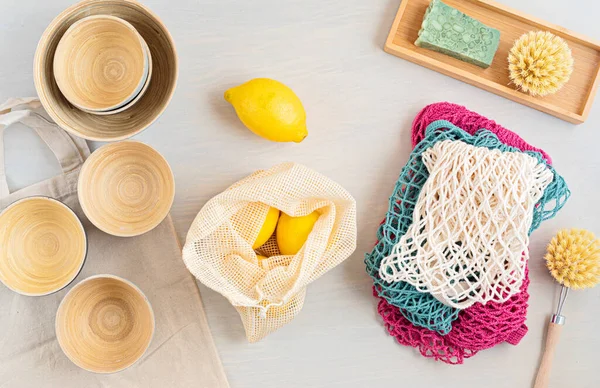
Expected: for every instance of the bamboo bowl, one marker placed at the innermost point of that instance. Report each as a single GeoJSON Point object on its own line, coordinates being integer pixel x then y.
{"type": "Point", "coordinates": [104, 324]}
{"type": "Point", "coordinates": [42, 246]}
{"type": "Point", "coordinates": [126, 189]}
{"type": "Point", "coordinates": [140, 94]}
{"type": "Point", "coordinates": [147, 109]}
{"type": "Point", "coordinates": [101, 63]}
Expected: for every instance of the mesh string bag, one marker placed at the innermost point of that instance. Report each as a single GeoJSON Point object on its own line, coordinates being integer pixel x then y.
{"type": "Point", "coordinates": [422, 309]}
{"type": "Point", "coordinates": [470, 225]}
{"type": "Point", "coordinates": [429, 343]}
{"type": "Point", "coordinates": [269, 293]}
{"type": "Point", "coordinates": [477, 328]}
{"type": "Point", "coordinates": [469, 122]}
{"type": "Point", "coordinates": [480, 326]}
{"type": "Point", "coordinates": [483, 326]}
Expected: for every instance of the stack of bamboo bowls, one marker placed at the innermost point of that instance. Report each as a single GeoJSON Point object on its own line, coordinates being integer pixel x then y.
{"type": "Point", "coordinates": [104, 70]}
{"type": "Point", "coordinates": [71, 87]}
{"type": "Point", "coordinates": [102, 65]}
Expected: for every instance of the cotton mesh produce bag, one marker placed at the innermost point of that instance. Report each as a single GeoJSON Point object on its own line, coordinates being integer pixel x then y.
{"type": "Point", "coordinates": [269, 293]}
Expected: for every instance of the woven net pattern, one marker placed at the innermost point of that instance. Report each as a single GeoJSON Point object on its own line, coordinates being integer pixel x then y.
{"type": "Point", "coordinates": [477, 328]}
{"type": "Point", "coordinates": [480, 326]}
{"type": "Point", "coordinates": [269, 293]}
{"type": "Point", "coordinates": [423, 309]}
{"type": "Point", "coordinates": [469, 122]}
{"type": "Point", "coordinates": [470, 225]}
{"type": "Point", "coordinates": [483, 326]}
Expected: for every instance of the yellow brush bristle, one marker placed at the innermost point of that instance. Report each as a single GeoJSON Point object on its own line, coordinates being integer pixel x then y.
{"type": "Point", "coordinates": [573, 258]}
{"type": "Point", "coordinates": [540, 63]}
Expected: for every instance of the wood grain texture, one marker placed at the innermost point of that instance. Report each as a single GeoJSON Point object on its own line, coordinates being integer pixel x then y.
{"type": "Point", "coordinates": [42, 246]}
{"type": "Point", "coordinates": [141, 93]}
{"type": "Point", "coordinates": [542, 379]}
{"type": "Point", "coordinates": [104, 324]}
{"type": "Point", "coordinates": [572, 103]}
{"type": "Point", "coordinates": [101, 63]}
{"type": "Point", "coordinates": [123, 124]}
{"type": "Point", "coordinates": [126, 189]}
{"type": "Point", "coordinates": [360, 102]}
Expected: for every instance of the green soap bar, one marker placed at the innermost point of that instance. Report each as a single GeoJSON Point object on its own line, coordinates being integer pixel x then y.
{"type": "Point", "coordinates": [451, 32]}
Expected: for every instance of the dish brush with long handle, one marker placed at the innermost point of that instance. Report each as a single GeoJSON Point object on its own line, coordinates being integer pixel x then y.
{"type": "Point", "coordinates": [573, 259]}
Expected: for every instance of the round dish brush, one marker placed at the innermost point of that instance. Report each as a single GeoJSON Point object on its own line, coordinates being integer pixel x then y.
{"type": "Point", "coordinates": [540, 63]}
{"type": "Point", "coordinates": [573, 259]}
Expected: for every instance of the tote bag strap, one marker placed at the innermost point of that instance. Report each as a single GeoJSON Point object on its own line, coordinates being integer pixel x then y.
{"type": "Point", "coordinates": [70, 152]}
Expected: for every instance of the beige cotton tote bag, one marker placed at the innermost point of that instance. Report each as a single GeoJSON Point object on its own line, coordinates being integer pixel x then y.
{"type": "Point", "coordinates": [182, 352]}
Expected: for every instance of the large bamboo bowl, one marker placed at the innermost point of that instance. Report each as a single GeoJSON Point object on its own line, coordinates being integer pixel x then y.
{"type": "Point", "coordinates": [104, 324]}
{"type": "Point", "coordinates": [126, 188]}
{"type": "Point", "coordinates": [101, 63]}
{"type": "Point", "coordinates": [150, 106]}
{"type": "Point", "coordinates": [42, 246]}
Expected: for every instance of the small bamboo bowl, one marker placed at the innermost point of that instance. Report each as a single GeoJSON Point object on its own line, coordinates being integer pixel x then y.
{"type": "Point", "coordinates": [140, 94]}
{"type": "Point", "coordinates": [42, 246]}
{"type": "Point", "coordinates": [101, 63]}
{"type": "Point", "coordinates": [126, 189]}
{"type": "Point", "coordinates": [104, 324]}
{"type": "Point", "coordinates": [129, 122]}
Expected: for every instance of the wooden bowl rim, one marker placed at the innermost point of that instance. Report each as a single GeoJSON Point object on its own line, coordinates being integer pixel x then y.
{"type": "Point", "coordinates": [123, 280]}
{"type": "Point", "coordinates": [84, 171]}
{"type": "Point", "coordinates": [51, 29]}
{"type": "Point", "coordinates": [85, 253]}
{"type": "Point", "coordinates": [141, 82]}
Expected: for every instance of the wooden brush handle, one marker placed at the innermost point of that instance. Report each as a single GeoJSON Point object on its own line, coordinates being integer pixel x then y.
{"type": "Point", "coordinates": [543, 374]}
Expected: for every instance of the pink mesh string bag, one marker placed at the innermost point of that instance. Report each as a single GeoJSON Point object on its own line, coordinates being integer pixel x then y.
{"type": "Point", "coordinates": [469, 122]}
{"type": "Point", "coordinates": [481, 326]}
{"type": "Point", "coordinates": [477, 328]}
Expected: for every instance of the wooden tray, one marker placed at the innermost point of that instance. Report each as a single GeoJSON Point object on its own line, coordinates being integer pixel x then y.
{"type": "Point", "coordinates": [572, 103]}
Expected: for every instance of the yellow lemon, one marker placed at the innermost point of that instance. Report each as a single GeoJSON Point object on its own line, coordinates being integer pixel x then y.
{"type": "Point", "coordinates": [292, 232]}
{"type": "Point", "coordinates": [269, 109]}
{"type": "Point", "coordinates": [261, 257]}
{"type": "Point", "coordinates": [266, 231]}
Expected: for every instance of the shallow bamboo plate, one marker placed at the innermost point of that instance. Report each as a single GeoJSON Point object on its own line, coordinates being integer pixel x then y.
{"type": "Point", "coordinates": [124, 124]}
{"type": "Point", "coordinates": [42, 246]}
{"type": "Point", "coordinates": [100, 63]}
{"type": "Point", "coordinates": [126, 189]}
{"type": "Point", "coordinates": [104, 324]}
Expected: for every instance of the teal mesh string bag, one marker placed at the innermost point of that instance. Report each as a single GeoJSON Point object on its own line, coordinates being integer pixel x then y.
{"type": "Point", "coordinates": [422, 309]}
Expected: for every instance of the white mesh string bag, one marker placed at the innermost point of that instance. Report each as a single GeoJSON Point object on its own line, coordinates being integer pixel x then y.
{"type": "Point", "coordinates": [269, 293]}
{"type": "Point", "coordinates": [469, 237]}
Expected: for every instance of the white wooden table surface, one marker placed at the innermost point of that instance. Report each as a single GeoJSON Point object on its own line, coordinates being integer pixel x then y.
{"type": "Point", "coordinates": [360, 103]}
